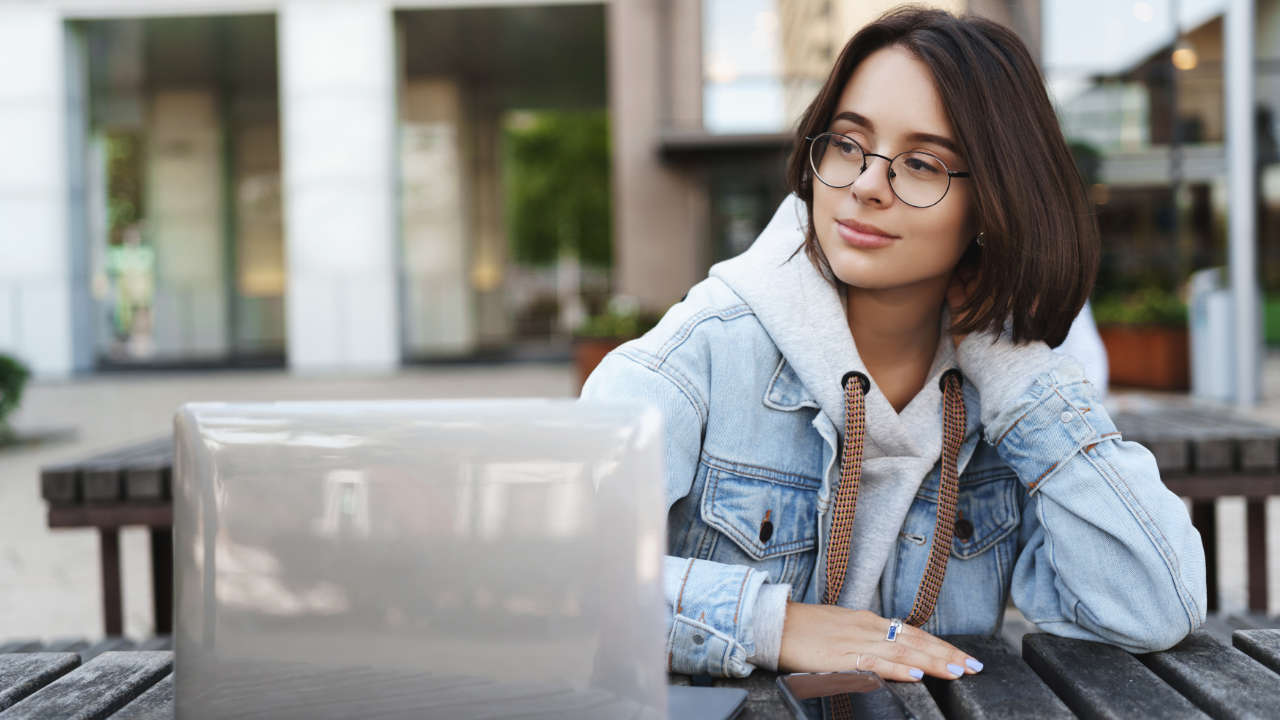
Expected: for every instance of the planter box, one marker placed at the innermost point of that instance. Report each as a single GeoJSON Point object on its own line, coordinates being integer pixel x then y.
{"type": "Point", "coordinates": [1147, 356]}
{"type": "Point", "coordinates": [587, 354]}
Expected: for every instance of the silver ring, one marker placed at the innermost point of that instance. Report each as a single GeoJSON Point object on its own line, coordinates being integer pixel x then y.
{"type": "Point", "coordinates": [895, 629]}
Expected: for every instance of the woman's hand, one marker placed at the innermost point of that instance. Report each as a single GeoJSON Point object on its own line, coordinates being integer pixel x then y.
{"type": "Point", "coordinates": [829, 638]}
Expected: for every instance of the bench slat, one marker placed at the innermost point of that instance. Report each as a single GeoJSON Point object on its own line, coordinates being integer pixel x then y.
{"type": "Point", "coordinates": [114, 643]}
{"type": "Point", "coordinates": [20, 646]}
{"type": "Point", "coordinates": [1261, 645]}
{"type": "Point", "coordinates": [1223, 681]}
{"type": "Point", "coordinates": [917, 699]}
{"type": "Point", "coordinates": [154, 704]}
{"type": "Point", "coordinates": [1006, 687]}
{"type": "Point", "coordinates": [97, 688]}
{"type": "Point", "coordinates": [1102, 681]}
{"type": "Point", "coordinates": [21, 674]}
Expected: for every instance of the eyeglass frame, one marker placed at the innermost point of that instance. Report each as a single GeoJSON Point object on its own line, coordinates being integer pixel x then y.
{"type": "Point", "coordinates": [888, 168]}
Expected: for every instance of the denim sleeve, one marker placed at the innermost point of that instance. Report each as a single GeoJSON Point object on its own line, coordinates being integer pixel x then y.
{"type": "Point", "coordinates": [709, 604]}
{"type": "Point", "coordinates": [1108, 552]}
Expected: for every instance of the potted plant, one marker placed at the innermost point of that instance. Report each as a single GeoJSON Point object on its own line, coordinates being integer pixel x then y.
{"type": "Point", "coordinates": [621, 320]}
{"type": "Point", "coordinates": [13, 378]}
{"type": "Point", "coordinates": [1145, 334]}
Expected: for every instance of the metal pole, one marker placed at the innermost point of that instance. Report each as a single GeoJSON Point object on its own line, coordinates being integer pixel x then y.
{"type": "Point", "coordinates": [1241, 156]}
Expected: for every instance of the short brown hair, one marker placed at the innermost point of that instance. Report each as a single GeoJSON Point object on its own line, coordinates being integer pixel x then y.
{"type": "Point", "coordinates": [1040, 248]}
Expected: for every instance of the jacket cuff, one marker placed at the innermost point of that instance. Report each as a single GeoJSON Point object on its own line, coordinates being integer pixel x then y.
{"type": "Point", "coordinates": [766, 628]}
{"type": "Point", "coordinates": [713, 608]}
{"type": "Point", "coordinates": [1002, 371]}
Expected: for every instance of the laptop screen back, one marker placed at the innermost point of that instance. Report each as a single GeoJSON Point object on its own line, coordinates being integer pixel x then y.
{"type": "Point", "coordinates": [461, 559]}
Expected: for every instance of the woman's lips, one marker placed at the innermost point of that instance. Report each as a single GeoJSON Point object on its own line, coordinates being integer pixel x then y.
{"type": "Point", "coordinates": [859, 239]}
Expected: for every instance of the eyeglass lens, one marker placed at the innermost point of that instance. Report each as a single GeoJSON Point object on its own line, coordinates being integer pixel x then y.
{"type": "Point", "coordinates": [917, 178]}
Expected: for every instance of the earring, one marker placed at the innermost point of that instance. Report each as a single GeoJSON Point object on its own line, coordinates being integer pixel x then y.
{"type": "Point", "coordinates": [978, 239]}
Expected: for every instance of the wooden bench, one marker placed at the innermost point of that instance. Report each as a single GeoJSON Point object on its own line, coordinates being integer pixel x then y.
{"type": "Point", "coordinates": [126, 486]}
{"type": "Point", "coordinates": [1051, 678]}
{"type": "Point", "coordinates": [1204, 454]}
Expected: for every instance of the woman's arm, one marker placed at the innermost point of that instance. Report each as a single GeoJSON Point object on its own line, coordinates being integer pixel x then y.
{"type": "Point", "coordinates": [711, 606]}
{"type": "Point", "coordinates": [1109, 553]}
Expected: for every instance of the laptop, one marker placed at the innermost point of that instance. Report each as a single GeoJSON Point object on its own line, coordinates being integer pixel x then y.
{"type": "Point", "coordinates": [454, 559]}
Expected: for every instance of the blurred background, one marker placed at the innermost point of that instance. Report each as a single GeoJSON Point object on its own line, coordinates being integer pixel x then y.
{"type": "Point", "coordinates": [366, 185]}
{"type": "Point", "coordinates": [240, 199]}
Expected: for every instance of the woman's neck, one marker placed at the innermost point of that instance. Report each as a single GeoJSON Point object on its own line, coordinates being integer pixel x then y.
{"type": "Point", "coordinates": [896, 333]}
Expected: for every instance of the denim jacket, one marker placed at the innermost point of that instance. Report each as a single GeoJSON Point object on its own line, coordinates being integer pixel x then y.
{"type": "Point", "coordinates": [1059, 512]}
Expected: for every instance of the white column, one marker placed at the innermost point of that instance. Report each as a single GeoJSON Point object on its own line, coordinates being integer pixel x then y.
{"type": "Point", "coordinates": [35, 264]}
{"type": "Point", "coordinates": [1241, 163]}
{"type": "Point", "coordinates": [337, 104]}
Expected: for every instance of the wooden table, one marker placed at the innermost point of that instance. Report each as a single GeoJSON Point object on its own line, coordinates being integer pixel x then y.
{"type": "Point", "coordinates": [1054, 678]}
{"type": "Point", "coordinates": [1060, 678]}
{"type": "Point", "coordinates": [1203, 454]}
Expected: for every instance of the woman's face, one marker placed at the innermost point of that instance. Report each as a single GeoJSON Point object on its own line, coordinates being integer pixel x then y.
{"type": "Point", "coordinates": [887, 106]}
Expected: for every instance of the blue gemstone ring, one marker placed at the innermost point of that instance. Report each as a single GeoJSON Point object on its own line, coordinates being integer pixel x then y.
{"type": "Point", "coordinates": [895, 629]}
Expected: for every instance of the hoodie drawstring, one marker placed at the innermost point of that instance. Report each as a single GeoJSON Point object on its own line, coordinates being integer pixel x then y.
{"type": "Point", "coordinates": [855, 419]}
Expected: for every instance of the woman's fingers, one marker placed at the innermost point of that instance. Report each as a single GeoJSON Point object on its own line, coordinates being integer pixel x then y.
{"type": "Point", "coordinates": [937, 657]}
{"type": "Point", "coordinates": [888, 669]}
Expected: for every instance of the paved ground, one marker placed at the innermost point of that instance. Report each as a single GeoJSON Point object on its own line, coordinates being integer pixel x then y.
{"type": "Point", "coordinates": [49, 582]}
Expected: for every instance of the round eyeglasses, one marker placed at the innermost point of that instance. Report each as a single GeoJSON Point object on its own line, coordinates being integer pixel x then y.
{"type": "Point", "coordinates": [919, 179]}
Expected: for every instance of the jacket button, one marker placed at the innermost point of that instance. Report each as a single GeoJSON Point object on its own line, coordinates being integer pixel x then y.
{"type": "Point", "coordinates": [698, 640]}
{"type": "Point", "coordinates": [766, 531]}
{"type": "Point", "coordinates": [964, 529]}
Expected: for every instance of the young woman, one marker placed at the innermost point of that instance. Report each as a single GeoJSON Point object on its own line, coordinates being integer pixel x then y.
{"type": "Point", "coordinates": [869, 442]}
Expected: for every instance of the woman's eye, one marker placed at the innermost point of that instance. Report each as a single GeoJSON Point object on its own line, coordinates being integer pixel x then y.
{"type": "Point", "coordinates": [922, 165]}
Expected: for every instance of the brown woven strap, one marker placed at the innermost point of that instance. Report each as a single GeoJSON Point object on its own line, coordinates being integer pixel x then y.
{"type": "Point", "coordinates": [953, 427]}
{"type": "Point", "coordinates": [855, 419]}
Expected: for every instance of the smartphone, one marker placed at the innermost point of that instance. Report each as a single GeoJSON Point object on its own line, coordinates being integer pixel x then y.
{"type": "Point", "coordinates": [833, 695]}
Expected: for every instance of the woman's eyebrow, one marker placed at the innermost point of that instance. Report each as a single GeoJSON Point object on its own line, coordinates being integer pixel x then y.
{"type": "Point", "coordinates": [865, 122]}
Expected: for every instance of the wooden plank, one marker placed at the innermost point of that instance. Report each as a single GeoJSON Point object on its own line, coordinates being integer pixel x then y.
{"type": "Point", "coordinates": [149, 483]}
{"type": "Point", "coordinates": [1205, 521]}
{"type": "Point", "coordinates": [1259, 453]}
{"type": "Point", "coordinates": [1212, 486]}
{"type": "Point", "coordinates": [72, 645]}
{"type": "Point", "coordinates": [1261, 645]}
{"type": "Point", "coordinates": [157, 642]}
{"type": "Point", "coordinates": [1006, 688]}
{"type": "Point", "coordinates": [108, 644]}
{"type": "Point", "coordinates": [1256, 552]}
{"type": "Point", "coordinates": [1172, 454]}
{"type": "Point", "coordinates": [916, 696]}
{"type": "Point", "coordinates": [162, 578]}
{"type": "Point", "coordinates": [1102, 681]}
{"type": "Point", "coordinates": [96, 689]}
{"type": "Point", "coordinates": [20, 646]}
{"type": "Point", "coordinates": [1213, 454]}
{"type": "Point", "coordinates": [109, 562]}
{"type": "Point", "coordinates": [160, 515]}
{"type": "Point", "coordinates": [154, 704]}
{"type": "Point", "coordinates": [60, 484]}
{"type": "Point", "coordinates": [21, 674]}
{"type": "Point", "coordinates": [1222, 681]}
{"type": "Point", "coordinates": [102, 483]}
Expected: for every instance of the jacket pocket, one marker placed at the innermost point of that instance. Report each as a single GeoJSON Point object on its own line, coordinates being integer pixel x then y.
{"type": "Point", "coordinates": [986, 513]}
{"type": "Point", "coordinates": [761, 518]}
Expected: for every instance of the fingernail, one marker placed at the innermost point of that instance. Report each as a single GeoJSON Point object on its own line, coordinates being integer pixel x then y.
{"type": "Point", "coordinates": [974, 665]}
{"type": "Point", "coordinates": [915, 673]}
{"type": "Point", "coordinates": [955, 669]}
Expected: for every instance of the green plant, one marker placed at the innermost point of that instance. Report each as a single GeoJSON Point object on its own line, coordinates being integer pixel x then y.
{"type": "Point", "coordinates": [621, 319]}
{"type": "Point", "coordinates": [1145, 306]}
{"type": "Point", "coordinates": [13, 378]}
